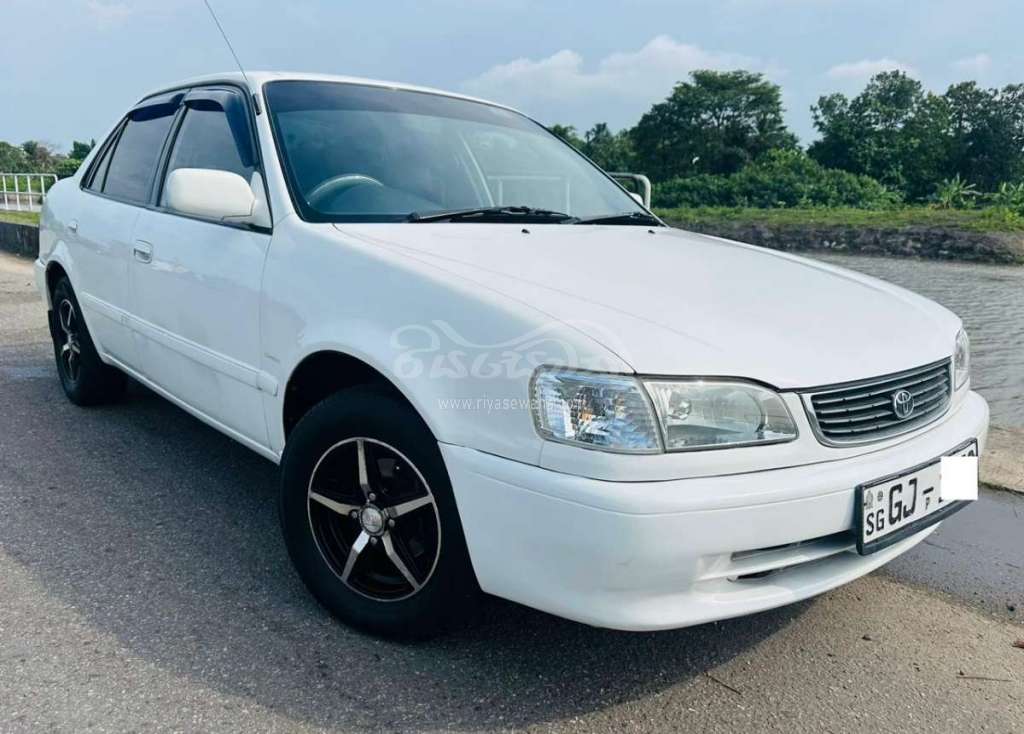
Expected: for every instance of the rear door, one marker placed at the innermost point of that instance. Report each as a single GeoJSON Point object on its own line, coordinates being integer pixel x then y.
{"type": "Point", "coordinates": [115, 189]}
{"type": "Point", "coordinates": [196, 282]}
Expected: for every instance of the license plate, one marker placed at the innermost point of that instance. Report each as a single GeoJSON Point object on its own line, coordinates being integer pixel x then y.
{"type": "Point", "coordinates": [890, 509]}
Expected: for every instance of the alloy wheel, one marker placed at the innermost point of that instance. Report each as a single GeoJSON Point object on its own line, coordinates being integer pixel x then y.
{"type": "Point", "coordinates": [374, 519]}
{"type": "Point", "coordinates": [71, 349]}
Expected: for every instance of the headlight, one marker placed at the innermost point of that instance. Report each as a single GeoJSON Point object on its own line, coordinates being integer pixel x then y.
{"type": "Point", "coordinates": [614, 412]}
{"type": "Point", "coordinates": [607, 412]}
{"type": "Point", "coordinates": [962, 360]}
{"type": "Point", "coordinates": [704, 414]}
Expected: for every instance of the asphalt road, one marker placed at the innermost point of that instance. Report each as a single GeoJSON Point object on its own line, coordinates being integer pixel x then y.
{"type": "Point", "coordinates": [144, 587]}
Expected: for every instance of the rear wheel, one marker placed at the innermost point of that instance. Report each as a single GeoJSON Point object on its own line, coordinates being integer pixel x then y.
{"type": "Point", "coordinates": [369, 517]}
{"type": "Point", "coordinates": [84, 377]}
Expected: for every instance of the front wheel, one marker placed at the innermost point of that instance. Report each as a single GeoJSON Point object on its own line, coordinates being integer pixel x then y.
{"type": "Point", "coordinates": [369, 517]}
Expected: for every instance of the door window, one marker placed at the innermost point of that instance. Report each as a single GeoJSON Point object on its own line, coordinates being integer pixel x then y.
{"type": "Point", "coordinates": [207, 139]}
{"type": "Point", "coordinates": [133, 164]}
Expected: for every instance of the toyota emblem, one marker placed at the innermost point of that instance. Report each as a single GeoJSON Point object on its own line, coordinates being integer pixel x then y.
{"type": "Point", "coordinates": [903, 404]}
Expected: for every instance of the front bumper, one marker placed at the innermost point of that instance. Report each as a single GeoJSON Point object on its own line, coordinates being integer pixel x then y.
{"type": "Point", "coordinates": [596, 552]}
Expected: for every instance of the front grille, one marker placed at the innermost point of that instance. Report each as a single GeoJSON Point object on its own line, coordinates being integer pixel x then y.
{"type": "Point", "coordinates": [864, 411]}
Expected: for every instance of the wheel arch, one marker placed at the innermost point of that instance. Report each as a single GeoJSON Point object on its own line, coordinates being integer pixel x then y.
{"type": "Point", "coordinates": [54, 272]}
{"type": "Point", "coordinates": [327, 371]}
{"type": "Point", "coordinates": [58, 263]}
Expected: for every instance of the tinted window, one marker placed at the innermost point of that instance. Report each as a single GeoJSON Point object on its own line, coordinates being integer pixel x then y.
{"type": "Point", "coordinates": [99, 171]}
{"type": "Point", "coordinates": [134, 162]}
{"type": "Point", "coordinates": [207, 140]}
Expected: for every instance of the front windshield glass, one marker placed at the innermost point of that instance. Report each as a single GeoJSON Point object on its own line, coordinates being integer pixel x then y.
{"type": "Point", "coordinates": [362, 153]}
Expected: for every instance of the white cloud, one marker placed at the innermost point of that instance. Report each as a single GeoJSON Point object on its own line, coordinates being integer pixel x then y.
{"type": "Point", "coordinates": [866, 68]}
{"type": "Point", "coordinates": [623, 85]}
{"type": "Point", "coordinates": [107, 14]}
{"type": "Point", "coordinates": [975, 65]}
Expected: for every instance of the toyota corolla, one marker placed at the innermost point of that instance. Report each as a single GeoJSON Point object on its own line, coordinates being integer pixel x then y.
{"type": "Point", "coordinates": [482, 364]}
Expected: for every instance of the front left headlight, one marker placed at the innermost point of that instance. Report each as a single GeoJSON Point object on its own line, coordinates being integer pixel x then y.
{"type": "Point", "coordinates": [708, 414]}
{"type": "Point", "coordinates": [599, 411]}
{"type": "Point", "coordinates": [962, 360]}
{"type": "Point", "coordinates": [619, 413]}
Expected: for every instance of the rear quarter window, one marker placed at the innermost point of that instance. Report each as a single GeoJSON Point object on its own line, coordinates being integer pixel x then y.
{"type": "Point", "coordinates": [98, 175]}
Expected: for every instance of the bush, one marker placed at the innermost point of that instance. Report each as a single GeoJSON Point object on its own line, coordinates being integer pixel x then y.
{"type": "Point", "coordinates": [955, 193]}
{"type": "Point", "coordinates": [780, 179]}
{"type": "Point", "coordinates": [1009, 196]}
{"type": "Point", "coordinates": [67, 167]}
{"type": "Point", "coordinates": [694, 191]}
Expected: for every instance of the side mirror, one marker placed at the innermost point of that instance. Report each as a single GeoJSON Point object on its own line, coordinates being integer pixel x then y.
{"type": "Point", "coordinates": [212, 194]}
{"type": "Point", "coordinates": [638, 197]}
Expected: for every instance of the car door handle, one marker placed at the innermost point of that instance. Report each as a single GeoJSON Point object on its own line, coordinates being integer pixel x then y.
{"type": "Point", "coordinates": [142, 251]}
{"type": "Point", "coordinates": [73, 226]}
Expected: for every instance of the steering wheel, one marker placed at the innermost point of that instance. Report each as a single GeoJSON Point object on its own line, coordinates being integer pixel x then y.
{"type": "Point", "coordinates": [333, 186]}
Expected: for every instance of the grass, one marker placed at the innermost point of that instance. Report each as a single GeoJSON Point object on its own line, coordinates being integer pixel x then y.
{"type": "Point", "coordinates": [20, 217]}
{"type": "Point", "coordinates": [989, 219]}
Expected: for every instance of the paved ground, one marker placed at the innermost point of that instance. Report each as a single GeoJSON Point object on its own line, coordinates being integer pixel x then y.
{"type": "Point", "coordinates": [144, 587]}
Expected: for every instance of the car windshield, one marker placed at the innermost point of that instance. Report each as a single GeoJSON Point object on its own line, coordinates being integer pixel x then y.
{"type": "Point", "coordinates": [358, 153]}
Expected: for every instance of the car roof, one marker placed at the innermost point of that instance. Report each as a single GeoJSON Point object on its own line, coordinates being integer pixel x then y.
{"type": "Point", "coordinates": [255, 80]}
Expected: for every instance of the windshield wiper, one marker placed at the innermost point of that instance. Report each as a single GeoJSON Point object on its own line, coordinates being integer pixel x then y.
{"type": "Point", "coordinates": [638, 218]}
{"type": "Point", "coordinates": [492, 213]}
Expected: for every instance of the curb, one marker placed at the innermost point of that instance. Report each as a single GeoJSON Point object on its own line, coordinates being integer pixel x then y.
{"type": "Point", "coordinates": [1002, 466]}
{"type": "Point", "coordinates": [19, 239]}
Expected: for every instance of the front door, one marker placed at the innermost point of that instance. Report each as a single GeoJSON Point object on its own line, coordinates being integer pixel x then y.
{"type": "Point", "coordinates": [196, 282]}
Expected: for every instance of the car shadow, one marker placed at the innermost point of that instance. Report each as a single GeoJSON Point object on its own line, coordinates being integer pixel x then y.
{"type": "Point", "coordinates": [164, 534]}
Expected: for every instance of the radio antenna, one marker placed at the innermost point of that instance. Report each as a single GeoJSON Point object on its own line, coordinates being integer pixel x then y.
{"type": "Point", "coordinates": [225, 37]}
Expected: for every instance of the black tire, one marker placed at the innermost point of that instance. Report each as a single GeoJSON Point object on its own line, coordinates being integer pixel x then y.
{"type": "Point", "coordinates": [369, 592]}
{"type": "Point", "coordinates": [83, 375]}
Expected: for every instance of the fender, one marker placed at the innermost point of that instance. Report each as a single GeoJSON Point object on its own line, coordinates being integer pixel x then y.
{"type": "Point", "coordinates": [462, 355]}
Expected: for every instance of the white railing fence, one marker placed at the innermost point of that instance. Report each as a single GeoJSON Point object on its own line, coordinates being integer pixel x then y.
{"type": "Point", "coordinates": [641, 185]}
{"type": "Point", "coordinates": [24, 192]}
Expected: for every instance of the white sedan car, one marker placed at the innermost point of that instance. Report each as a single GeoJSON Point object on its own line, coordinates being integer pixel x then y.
{"type": "Point", "coordinates": [483, 365]}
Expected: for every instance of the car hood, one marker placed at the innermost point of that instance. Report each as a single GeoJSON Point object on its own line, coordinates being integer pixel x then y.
{"type": "Point", "coordinates": [670, 302]}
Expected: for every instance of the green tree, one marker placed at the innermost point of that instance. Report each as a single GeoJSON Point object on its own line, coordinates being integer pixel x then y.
{"type": "Point", "coordinates": [80, 150]}
{"type": "Point", "coordinates": [12, 158]}
{"type": "Point", "coordinates": [717, 123]}
{"type": "Point", "coordinates": [916, 141]}
{"type": "Point", "coordinates": [887, 132]}
{"type": "Point", "coordinates": [39, 157]}
{"type": "Point", "coordinates": [986, 133]}
{"type": "Point", "coordinates": [67, 167]}
{"type": "Point", "coordinates": [611, 151]}
{"type": "Point", "coordinates": [568, 134]}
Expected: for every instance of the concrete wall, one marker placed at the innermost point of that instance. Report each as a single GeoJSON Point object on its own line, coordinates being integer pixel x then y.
{"type": "Point", "coordinates": [20, 239]}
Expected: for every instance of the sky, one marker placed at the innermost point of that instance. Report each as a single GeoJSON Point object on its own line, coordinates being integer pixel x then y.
{"type": "Point", "coordinates": [72, 67]}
